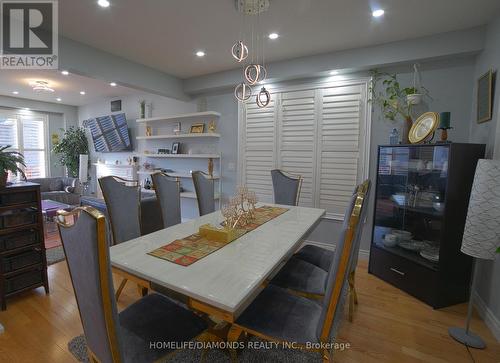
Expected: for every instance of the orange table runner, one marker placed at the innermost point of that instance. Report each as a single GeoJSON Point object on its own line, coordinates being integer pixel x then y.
{"type": "Point", "coordinates": [190, 249]}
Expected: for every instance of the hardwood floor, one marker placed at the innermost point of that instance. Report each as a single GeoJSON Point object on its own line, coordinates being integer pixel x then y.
{"type": "Point", "coordinates": [389, 325]}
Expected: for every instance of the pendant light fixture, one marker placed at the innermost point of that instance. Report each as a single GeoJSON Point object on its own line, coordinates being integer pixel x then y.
{"type": "Point", "coordinates": [254, 71]}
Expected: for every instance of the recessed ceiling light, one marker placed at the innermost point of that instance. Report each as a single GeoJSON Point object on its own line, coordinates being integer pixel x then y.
{"type": "Point", "coordinates": [58, 99]}
{"type": "Point", "coordinates": [26, 108]}
{"type": "Point", "coordinates": [112, 84]}
{"type": "Point", "coordinates": [15, 92]}
{"type": "Point", "coordinates": [378, 13]}
{"type": "Point", "coordinates": [103, 3]}
{"type": "Point", "coordinates": [82, 93]}
{"type": "Point", "coordinates": [273, 36]}
{"type": "Point", "coordinates": [64, 73]}
{"type": "Point", "coordinates": [334, 73]}
{"type": "Point", "coordinates": [200, 53]}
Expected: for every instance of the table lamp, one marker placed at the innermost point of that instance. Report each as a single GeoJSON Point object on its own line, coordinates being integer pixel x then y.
{"type": "Point", "coordinates": [482, 233]}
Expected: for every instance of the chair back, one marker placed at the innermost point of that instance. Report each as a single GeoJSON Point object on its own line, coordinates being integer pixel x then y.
{"type": "Point", "coordinates": [365, 189]}
{"type": "Point", "coordinates": [286, 187]}
{"type": "Point", "coordinates": [168, 194]}
{"type": "Point", "coordinates": [87, 256]}
{"type": "Point", "coordinates": [205, 192]}
{"type": "Point", "coordinates": [336, 289]}
{"type": "Point", "coordinates": [123, 202]}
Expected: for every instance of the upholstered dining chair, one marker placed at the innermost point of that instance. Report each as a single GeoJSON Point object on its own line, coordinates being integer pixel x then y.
{"type": "Point", "coordinates": [205, 192]}
{"type": "Point", "coordinates": [286, 187]}
{"type": "Point", "coordinates": [278, 315]}
{"type": "Point", "coordinates": [113, 337]}
{"type": "Point", "coordinates": [168, 194]}
{"type": "Point", "coordinates": [123, 203]}
{"type": "Point", "coordinates": [306, 272]}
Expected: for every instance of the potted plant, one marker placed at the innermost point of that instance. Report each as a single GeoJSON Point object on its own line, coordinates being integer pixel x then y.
{"type": "Point", "coordinates": [394, 100]}
{"type": "Point", "coordinates": [73, 143]}
{"type": "Point", "coordinates": [10, 161]}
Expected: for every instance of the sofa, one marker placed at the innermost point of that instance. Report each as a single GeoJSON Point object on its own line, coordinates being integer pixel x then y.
{"type": "Point", "coordinates": [60, 189]}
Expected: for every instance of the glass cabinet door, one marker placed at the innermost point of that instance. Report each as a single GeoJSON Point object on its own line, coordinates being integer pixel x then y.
{"type": "Point", "coordinates": [410, 201]}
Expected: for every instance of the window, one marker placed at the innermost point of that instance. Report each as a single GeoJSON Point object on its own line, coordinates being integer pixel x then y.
{"type": "Point", "coordinates": [320, 131]}
{"type": "Point", "coordinates": [26, 133]}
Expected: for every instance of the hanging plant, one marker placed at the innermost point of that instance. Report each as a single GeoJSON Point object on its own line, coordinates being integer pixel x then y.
{"type": "Point", "coordinates": [73, 143]}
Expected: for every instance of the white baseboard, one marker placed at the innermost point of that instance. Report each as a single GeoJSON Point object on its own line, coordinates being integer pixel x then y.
{"type": "Point", "coordinates": [489, 318]}
{"type": "Point", "coordinates": [363, 254]}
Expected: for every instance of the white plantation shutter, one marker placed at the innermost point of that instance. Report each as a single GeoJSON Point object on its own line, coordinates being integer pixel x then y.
{"type": "Point", "coordinates": [297, 139]}
{"type": "Point", "coordinates": [339, 146]}
{"type": "Point", "coordinates": [320, 133]}
{"type": "Point", "coordinates": [258, 147]}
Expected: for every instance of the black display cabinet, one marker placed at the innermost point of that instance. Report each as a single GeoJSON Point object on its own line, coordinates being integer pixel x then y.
{"type": "Point", "coordinates": [421, 200]}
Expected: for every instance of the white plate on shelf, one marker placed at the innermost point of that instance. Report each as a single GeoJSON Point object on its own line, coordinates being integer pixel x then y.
{"type": "Point", "coordinates": [413, 245]}
{"type": "Point", "coordinates": [431, 254]}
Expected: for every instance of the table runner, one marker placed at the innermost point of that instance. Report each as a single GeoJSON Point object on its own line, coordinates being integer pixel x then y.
{"type": "Point", "coordinates": [190, 249]}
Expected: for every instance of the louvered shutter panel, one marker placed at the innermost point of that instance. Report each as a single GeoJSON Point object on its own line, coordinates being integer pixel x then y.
{"type": "Point", "coordinates": [339, 146]}
{"type": "Point", "coordinates": [34, 146]}
{"type": "Point", "coordinates": [297, 131]}
{"type": "Point", "coordinates": [259, 149]}
{"type": "Point", "coordinates": [8, 132]}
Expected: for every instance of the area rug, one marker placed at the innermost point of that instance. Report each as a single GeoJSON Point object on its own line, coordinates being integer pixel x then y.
{"type": "Point", "coordinates": [55, 255]}
{"type": "Point", "coordinates": [78, 348]}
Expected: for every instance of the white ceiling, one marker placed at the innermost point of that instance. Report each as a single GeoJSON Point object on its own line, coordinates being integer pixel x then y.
{"type": "Point", "coordinates": [165, 34]}
{"type": "Point", "coordinates": [66, 87]}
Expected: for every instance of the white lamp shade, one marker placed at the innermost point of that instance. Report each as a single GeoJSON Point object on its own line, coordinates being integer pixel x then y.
{"type": "Point", "coordinates": [482, 227]}
{"type": "Point", "coordinates": [83, 169]}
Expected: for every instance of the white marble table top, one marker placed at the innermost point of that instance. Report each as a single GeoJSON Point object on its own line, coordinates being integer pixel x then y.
{"type": "Point", "coordinates": [228, 277]}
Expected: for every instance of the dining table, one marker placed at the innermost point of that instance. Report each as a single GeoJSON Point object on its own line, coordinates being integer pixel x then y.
{"type": "Point", "coordinates": [225, 282]}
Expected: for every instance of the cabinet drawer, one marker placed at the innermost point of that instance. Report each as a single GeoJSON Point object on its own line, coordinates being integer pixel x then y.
{"type": "Point", "coordinates": [20, 239]}
{"type": "Point", "coordinates": [19, 261]}
{"type": "Point", "coordinates": [8, 199]}
{"type": "Point", "coordinates": [406, 275]}
{"type": "Point", "coordinates": [16, 218]}
{"type": "Point", "coordinates": [24, 280]}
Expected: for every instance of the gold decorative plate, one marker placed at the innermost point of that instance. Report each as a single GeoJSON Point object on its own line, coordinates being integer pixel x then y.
{"type": "Point", "coordinates": [423, 127]}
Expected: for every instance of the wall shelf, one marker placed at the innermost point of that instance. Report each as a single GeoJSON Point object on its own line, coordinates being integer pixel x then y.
{"type": "Point", "coordinates": [181, 136]}
{"type": "Point", "coordinates": [177, 118]}
{"type": "Point", "coordinates": [183, 156]}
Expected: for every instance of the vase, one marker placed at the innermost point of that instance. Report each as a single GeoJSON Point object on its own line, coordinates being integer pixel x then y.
{"type": "Point", "coordinates": [211, 167]}
{"type": "Point", "coordinates": [408, 123]}
{"type": "Point", "coordinates": [3, 179]}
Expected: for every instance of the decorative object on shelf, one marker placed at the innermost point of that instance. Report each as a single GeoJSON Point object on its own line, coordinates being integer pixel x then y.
{"type": "Point", "coordinates": [481, 238]}
{"type": "Point", "coordinates": [54, 138]}
{"type": "Point", "coordinates": [239, 51]}
{"type": "Point", "coordinates": [393, 101]}
{"type": "Point", "coordinates": [149, 110]}
{"type": "Point", "coordinates": [176, 148]}
{"type": "Point", "coordinates": [12, 161]}
{"type": "Point", "coordinates": [243, 92]}
{"type": "Point", "coordinates": [211, 167]}
{"type": "Point", "coordinates": [116, 105]}
{"type": "Point", "coordinates": [263, 98]}
{"type": "Point", "coordinates": [394, 137]}
{"type": "Point", "coordinates": [444, 125]}
{"type": "Point", "coordinates": [254, 71]}
{"type": "Point", "coordinates": [423, 129]}
{"type": "Point", "coordinates": [143, 108]}
{"type": "Point", "coordinates": [163, 151]}
{"type": "Point", "coordinates": [147, 166]}
{"type": "Point", "coordinates": [197, 128]}
{"type": "Point", "coordinates": [73, 143]}
{"type": "Point", "coordinates": [177, 128]}
{"type": "Point", "coordinates": [147, 184]}
{"type": "Point", "coordinates": [149, 131]}
{"type": "Point", "coordinates": [212, 127]}
{"type": "Point", "coordinates": [485, 97]}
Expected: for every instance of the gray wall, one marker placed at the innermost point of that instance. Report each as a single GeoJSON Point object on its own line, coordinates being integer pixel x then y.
{"type": "Point", "coordinates": [489, 271]}
{"type": "Point", "coordinates": [60, 117]}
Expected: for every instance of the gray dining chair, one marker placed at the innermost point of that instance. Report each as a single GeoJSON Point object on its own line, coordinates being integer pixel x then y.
{"type": "Point", "coordinates": [307, 278]}
{"type": "Point", "coordinates": [205, 192]}
{"type": "Point", "coordinates": [123, 204]}
{"type": "Point", "coordinates": [286, 187]}
{"type": "Point", "coordinates": [322, 257]}
{"type": "Point", "coordinates": [278, 315]}
{"type": "Point", "coordinates": [168, 194]}
{"type": "Point", "coordinates": [114, 337]}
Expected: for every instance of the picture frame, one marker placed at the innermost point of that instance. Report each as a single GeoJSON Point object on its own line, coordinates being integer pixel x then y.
{"type": "Point", "coordinates": [485, 97]}
{"type": "Point", "coordinates": [197, 128]}
{"type": "Point", "coordinates": [176, 148]}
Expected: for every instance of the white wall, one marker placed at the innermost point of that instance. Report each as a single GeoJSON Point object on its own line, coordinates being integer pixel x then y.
{"type": "Point", "coordinates": [59, 116]}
